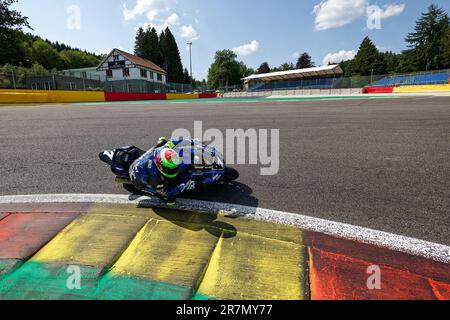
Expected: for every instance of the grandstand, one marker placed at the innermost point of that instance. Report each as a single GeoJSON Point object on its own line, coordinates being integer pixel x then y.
{"type": "Point", "coordinates": [331, 77]}
{"type": "Point", "coordinates": [310, 78]}
{"type": "Point", "coordinates": [437, 77]}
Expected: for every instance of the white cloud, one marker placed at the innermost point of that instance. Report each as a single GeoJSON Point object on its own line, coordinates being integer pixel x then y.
{"type": "Point", "coordinates": [392, 10]}
{"type": "Point", "coordinates": [151, 8]}
{"type": "Point", "coordinates": [173, 19]}
{"type": "Point", "coordinates": [337, 13]}
{"type": "Point", "coordinates": [188, 32]}
{"type": "Point", "coordinates": [339, 56]}
{"type": "Point", "coordinates": [247, 49]}
{"type": "Point", "coordinates": [296, 55]}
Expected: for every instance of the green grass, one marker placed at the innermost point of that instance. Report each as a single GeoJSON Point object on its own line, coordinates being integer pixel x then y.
{"type": "Point", "coordinates": [210, 101]}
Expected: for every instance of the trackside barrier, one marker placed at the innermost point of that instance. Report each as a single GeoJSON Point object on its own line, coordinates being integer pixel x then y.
{"type": "Point", "coordinates": [207, 95]}
{"type": "Point", "coordinates": [124, 96]}
{"type": "Point", "coordinates": [41, 96]}
{"type": "Point", "coordinates": [181, 96]}
{"type": "Point", "coordinates": [76, 96]}
{"type": "Point", "coordinates": [424, 88]}
{"type": "Point", "coordinates": [371, 90]}
{"type": "Point", "coordinates": [22, 96]}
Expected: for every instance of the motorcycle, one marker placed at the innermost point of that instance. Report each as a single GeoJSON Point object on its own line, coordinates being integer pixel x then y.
{"type": "Point", "coordinates": [206, 166]}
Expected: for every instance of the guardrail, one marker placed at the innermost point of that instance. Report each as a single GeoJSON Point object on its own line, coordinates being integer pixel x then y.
{"type": "Point", "coordinates": [59, 96]}
{"type": "Point", "coordinates": [306, 92]}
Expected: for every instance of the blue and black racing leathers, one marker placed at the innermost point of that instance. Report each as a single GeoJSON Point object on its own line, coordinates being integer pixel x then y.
{"type": "Point", "coordinates": [147, 178]}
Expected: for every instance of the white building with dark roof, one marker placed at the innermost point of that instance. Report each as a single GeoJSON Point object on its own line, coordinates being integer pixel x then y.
{"type": "Point", "coordinates": [120, 65]}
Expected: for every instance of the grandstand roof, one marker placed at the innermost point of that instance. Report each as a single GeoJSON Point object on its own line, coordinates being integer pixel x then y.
{"type": "Point", "coordinates": [297, 74]}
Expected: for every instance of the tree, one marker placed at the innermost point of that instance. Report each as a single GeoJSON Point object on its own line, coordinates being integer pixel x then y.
{"type": "Point", "coordinates": [154, 48]}
{"type": "Point", "coordinates": [264, 68]}
{"type": "Point", "coordinates": [171, 57]}
{"type": "Point", "coordinates": [446, 49]}
{"type": "Point", "coordinates": [245, 71]}
{"type": "Point", "coordinates": [225, 70]}
{"type": "Point", "coordinates": [139, 49]}
{"type": "Point", "coordinates": [46, 55]}
{"type": "Point", "coordinates": [425, 42]}
{"type": "Point", "coordinates": [13, 49]}
{"type": "Point", "coordinates": [367, 60]}
{"type": "Point", "coordinates": [391, 61]}
{"type": "Point", "coordinates": [11, 19]}
{"type": "Point", "coordinates": [36, 68]}
{"type": "Point", "coordinates": [286, 66]}
{"type": "Point", "coordinates": [73, 59]}
{"type": "Point", "coordinates": [147, 45]}
{"type": "Point", "coordinates": [186, 76]}
{"type": "Point", "coordinates": [346, 66]}
{"type": "Point", "coordinates": [304, 61]}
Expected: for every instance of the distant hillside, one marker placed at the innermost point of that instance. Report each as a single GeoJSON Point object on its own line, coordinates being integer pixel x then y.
{"type": "Point", "coordinates": [29, 50]}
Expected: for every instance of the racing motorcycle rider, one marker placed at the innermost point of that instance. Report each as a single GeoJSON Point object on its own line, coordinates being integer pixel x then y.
{"type": "Point", "coordinates": [158, 172]}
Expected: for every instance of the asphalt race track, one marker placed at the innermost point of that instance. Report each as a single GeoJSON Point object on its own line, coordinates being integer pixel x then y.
{"type": "Point", "coordinates": [382, 164]}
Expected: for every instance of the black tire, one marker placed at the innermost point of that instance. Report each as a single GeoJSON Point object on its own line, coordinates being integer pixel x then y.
{"type": "Point", "coordinates": [231, 174]}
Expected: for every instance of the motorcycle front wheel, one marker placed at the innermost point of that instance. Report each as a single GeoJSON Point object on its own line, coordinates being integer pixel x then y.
{"type": "Point", "coordinates": [231, 174]}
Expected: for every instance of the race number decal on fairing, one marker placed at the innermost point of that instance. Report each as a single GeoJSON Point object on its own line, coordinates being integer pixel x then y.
{"type": "Point", "coordinates": [190, 185]}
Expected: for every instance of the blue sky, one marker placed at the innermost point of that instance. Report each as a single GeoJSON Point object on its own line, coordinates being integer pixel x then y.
{"type": "Point", "coordinates": [258, 30]}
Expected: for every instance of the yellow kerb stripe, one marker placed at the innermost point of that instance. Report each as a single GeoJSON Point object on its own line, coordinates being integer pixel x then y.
{"type": "Point", "coordinates": [92, 239]}
{"type": "Point", "coordinates": [251, 267]}
{"type": "Point", "coordinates": [166, 252]}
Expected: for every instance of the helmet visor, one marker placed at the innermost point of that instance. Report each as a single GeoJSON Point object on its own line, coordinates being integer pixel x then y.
{"type": "Point", "coordinates": [170, 172]}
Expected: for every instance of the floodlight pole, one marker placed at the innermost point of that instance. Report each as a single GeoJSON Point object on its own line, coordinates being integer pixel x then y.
{"type": "Point", "coordinates": [190, 59]}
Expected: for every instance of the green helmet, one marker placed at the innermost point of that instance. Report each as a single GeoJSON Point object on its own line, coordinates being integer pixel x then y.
{"type": "Point", "coordinates": [168, 162]}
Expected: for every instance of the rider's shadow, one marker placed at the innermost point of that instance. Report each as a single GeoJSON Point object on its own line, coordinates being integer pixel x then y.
{"type": "Point", "coordinates": [196, 221]}
{"type": "Point", "coordinates": [232, 193]}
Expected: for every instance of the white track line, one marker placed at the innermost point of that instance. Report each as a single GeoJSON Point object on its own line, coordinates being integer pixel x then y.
{"type": "Point", "coordinates": [429, 250]}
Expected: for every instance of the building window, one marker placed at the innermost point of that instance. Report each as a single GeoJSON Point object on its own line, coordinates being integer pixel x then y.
{"type": "Point", "coordinates": [152, 75]}
{"type": "Point", "coordinates": [116, 57]}
{"type": "Point", "coordinates": [84, 75]}
{"type": "Point", "coordinates": [143, 73]}
{"type": "Point", "coordinates": [109, 73]}
{"type": "Point", "coordinates": [159, 77]}
{"type": "Point", "coordinates": [126, 72]}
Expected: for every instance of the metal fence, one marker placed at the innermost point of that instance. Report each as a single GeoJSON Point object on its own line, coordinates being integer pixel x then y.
{"type": "Point", "coordinates": [46, 81]}
{"type": "Point", "coordinates": [22, 79]}
{"type": "Point", "coordinates": [143, 86]}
